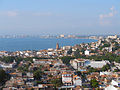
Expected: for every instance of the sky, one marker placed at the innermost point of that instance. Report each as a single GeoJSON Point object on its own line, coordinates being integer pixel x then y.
{"type": "Point", "coordinates": [38, 17]}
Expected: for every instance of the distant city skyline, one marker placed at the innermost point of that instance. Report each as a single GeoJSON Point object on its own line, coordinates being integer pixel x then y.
{"type": "Point", "coordinates": [39, 17]}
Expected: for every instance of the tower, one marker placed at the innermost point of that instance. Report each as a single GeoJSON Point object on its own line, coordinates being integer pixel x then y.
{"type": "Point", "coordinates": [57, 46]}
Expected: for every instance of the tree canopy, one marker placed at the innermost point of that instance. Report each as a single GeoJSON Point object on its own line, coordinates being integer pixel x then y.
{"type": "Point", "coordinates": [3, 76]}
{"type": "Point", "coordinates": [94, 83]}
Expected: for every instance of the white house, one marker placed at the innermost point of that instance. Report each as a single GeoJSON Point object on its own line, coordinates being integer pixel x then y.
{"type": "Point", "coordinates": [98, 64]}
{"type": "Point", "coordinates": [67, 78]}
{"type": "Point", "coordinates": [77, 63]}
{"type": "Point", "coordinates": [113, 37]}
{"type": "Point", "coordinates": [115, 85]}
{"type": "Point", "coordinates": [77, 81]}
{"type": "Point", "coordinates": [87, 52]}
{"type": "Point", "coordinates": [42, 61]}
{"type": "Point", "coordinates": [115, 82]}
{"type": "Point", "coordinates": [5, 65]}
{"type": "Point", "coordinates": [111, 87]}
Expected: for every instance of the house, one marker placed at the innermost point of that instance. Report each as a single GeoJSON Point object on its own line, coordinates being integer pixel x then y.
{"type": "Point", "coordinates": [111, 87]}
{"type": "Point", "coordinates": [42, 61]}
{"type": "Point", "coordinates": [87, 52]}
{"type": "Point", "coordinates": [77, 81]}
{"type": "Point", "coordinates": [115, 83]}
{"type": "Point", "coordinates": [112, 37]}
{"type": "Point", "coordinates": [67, 78]}
{"type": "Point", "coordinates": [98, 64]}
{"type": "Point", "coordinates": [7, 65]}
{"type": "Point", "coordinates": [77, 63]}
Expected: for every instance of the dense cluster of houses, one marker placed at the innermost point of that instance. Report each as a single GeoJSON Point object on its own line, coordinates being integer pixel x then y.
{"type": "Point", "coordinates": [53, 68]}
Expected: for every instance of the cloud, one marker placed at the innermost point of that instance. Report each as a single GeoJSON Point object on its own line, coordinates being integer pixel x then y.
{"type": "Point", "coordinates": [110, 14]}
{"type": "Point", "coordinates": [104, 17]}
{"type": "Point", "coordinates": [12, 13]}
{"type": "Point", "coordinates": [9, 13]}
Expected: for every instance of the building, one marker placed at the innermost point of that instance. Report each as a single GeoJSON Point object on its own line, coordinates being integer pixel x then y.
{"type": "Point", "coordinates": [77, 63]}
{"type": "Point", "coordinates": [42, 61]}
{"type": "Point", "coordinates": [98, 64]}
{"type": "Point", "coordinates": [67, 79]}
{"type": "Point", "coordinates": [57, 46]}
{"type": "Point", "coordinates": [77, 81]}
{"type": "Point", "coordinates": [62, 36]}
{"type": "Point", "coordinates": [66, 47]}
{"type": "Point", "coordinates": [7, 65]}
{"type": "Point", "coordinates": [112, 37]}
{"type": "Point", "coordinates": [111, 87]}
{"type": "Point", "coordinates": [87, 52]}
{"type": "Point", "coordinates": [115, 85]}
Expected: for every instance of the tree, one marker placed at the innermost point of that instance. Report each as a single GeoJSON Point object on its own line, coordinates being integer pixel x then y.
{"type": "Point", "coordinates": [66, 59]}
{"type": "Point", "coordinates": [116, 70]}
{"type": "Point", "coordinates": [50, 76]}
{"type": "Point", "coordinates": [117, 59]}
{"type": "Point", "coordinates": [37, 75]}
{"type": "Point", "coordinates": [23, 68]}
{"type": "Point", "coordinates": [3, 76]}
{"type": "Point", "coordinates": [94, 83]}
{"type": "Point", "coordinates": [70, 51]}
{"type": "Point", "coordinates": [79, 73]}
{"type": "Point", "coordinates": [57, 82]}
{"type": "Point", "coordinates": [77, 53]}
{"type": "Point", "coordinates": [91, 69]}
{"type": "Point", "coordinates": [105, 68]}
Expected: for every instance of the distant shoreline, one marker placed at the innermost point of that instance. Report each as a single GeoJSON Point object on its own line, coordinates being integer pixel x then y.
{"type": "Point", "coordinates": [48, 38]}
{"type": "Point", "coordinates": [20, 44]}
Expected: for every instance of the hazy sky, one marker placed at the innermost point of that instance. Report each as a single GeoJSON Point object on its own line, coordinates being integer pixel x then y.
{"type": "Point", "coordinates": [60, 17]}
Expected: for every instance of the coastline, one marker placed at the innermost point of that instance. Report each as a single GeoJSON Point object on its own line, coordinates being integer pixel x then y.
{"type": "Point", "coordinates": [22, 44]}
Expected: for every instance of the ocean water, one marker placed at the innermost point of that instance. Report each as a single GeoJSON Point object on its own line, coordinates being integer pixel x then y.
{"type": "Point", "coordinates": [20, 44]}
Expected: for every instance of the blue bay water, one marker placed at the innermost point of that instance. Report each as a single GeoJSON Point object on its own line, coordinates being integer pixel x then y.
{"type": "Point", "coordinates": [20, 44]}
